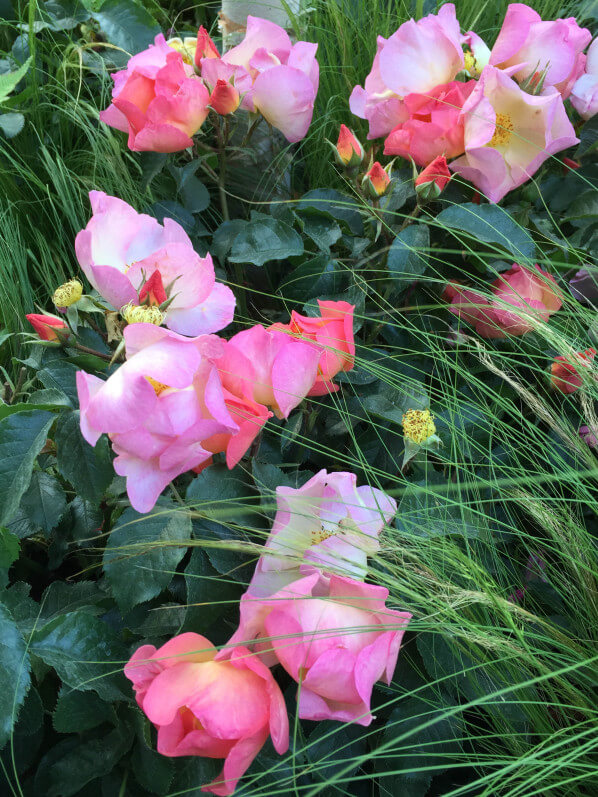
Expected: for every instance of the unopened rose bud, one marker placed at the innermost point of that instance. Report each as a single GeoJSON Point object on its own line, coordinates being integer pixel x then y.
{"type": "Point", "coordinates": [48, 327]}
{"type": "Point", "coordinates": [376, 181]}
{"type": "Point", "coordinates": [566, 371]}
{"type": "Point", "coordinates": [136, 314]}
{"type": "Point", "coordinates": [153, 293]}
{"type": "Point", "coordinates": [348, 151]}
{"type": "Point", "coordinates": [225, 98]}
{"type": "Point", "coordinates": [68, 293]}
{"type": "Point", "coordinates": [432, 181]}
{"type": "Point", "coordinates": [186, 47]}
{"type": "Point", "coordinates": [205, 47]}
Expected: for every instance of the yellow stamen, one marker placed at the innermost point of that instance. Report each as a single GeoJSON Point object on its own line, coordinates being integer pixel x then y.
{"type": "Point", "coordinates": [503, 131]}
{"type": "Point", "coordinates": [68, 293]}
{"type": "Point", "coordinates": [320, 534]}
{"type": "Point", "coordinates": [418, 425]}
{"type": "Point", "coordinates": [140, 314]}
{"type": "Point", "coordinates": [185, 47]}
{"type": "Point", "coordinates": [470, 63]}
{"type": "Point", "coordinates": [159, 387]}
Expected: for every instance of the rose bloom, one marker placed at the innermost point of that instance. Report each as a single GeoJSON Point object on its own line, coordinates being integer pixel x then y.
{"type": "Point", "coordinates": [158, 100]}
{"type": "Point", "coordinates": [122, 252]}
{"type": "Point", "coordinates": [527, 46]}
{"type": "Point", "coordinates": [333, 635]}
{"type": "Point", "coordinates": [434, 125]}
{"type": "Point", "coordinates": [158, 408]}
{"type": "Point", "coordinates": [565, 373]}
{"type": "Point", "coordinates": [329, 522]}
{"type": "Point", "coordinates": [584, 95]}
{"type": "Point", "coordinates": [210, 704]}
{"type": "Point", "coordinates": [509, 133]}
{"type": "Point", "coordinates": [275, 77]}
{"type": "Point", "coordinates": [520, 298]}
{"type": "Point", "coordinates": [332, 334]}
{"type": "Point", "coordinates": [46, 325]}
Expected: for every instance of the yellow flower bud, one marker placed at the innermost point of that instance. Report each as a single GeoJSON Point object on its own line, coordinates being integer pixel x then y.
{"type": "Point", "coordinates": [141, 314]}
{"type": "Point", "coordinates": [418, 425]}
{"type": "Point", "coordinates": [68, 293]}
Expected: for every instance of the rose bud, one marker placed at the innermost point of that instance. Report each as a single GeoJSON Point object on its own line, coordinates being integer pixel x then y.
{"type": "Point", "coordinates": [432, 181]}
{"type": "Point", "coordinates": [376, 181]}
{"type": "Point", "coordinates": [225, 98]}
{"type": "Point", "coordinates": [47, 326]}
{"type": "Point", "coordinates": [348, 152]}
{"type": "Point", "coordinates": [564, 374]}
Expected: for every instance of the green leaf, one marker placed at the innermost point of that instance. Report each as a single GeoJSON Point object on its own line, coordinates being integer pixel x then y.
{"type": "Point", "coordinates": [127, 24]}
{"type": "Point", "coordinates": [84, 651]}
{"type": "Point", "coordinates": [68, 767]}
{"type": "Point", "coordinates": [12, 124]}
{"type": "Point", "coordinates": [204, 582]}
{"type": "Point", "coordinates": [334, 204]}
{"type": "Point", "coordinates": [87, 521]}
{"type": "Point", "coordinates": [61, 375]}
{"type": "Point", "coordinates": [88, 469]}
{"type": "Point", "coordinates": [14, 673]}
{"type": "Point", "coordinates": [9, 80]}
{"type": "Point", "coordinates": [44, 503]}
{"type": "Point", "coordinates": [220, 494]}
{"type": "Point", "coordinates": [9, 548]}
{"type": "Point", "coordinates": [408, 255]}
{"type": "Point", "coordinates": [143, 551]}
{"type": "Point", "coordinates": [77, 712]}
{"type": "Point", "coordinates": [588, 136]}
{"type": "Point", "coordinates": [428, 512]}
{"type": "Point", "coordinates": [489, 223]}
{"type": "Point", "coordinates": [314, 278]}
{"type": "Point", "coordinates": [22, 437]}
{"type": "Point", "coordinates": [153, 771]}
{"type": "Point", "coordinates": [265, 239]}
{"type": "Point", "coordinates": [323, 230]}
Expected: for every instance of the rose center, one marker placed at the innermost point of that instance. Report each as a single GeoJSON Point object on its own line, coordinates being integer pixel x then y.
{"type": "Point", "coordinates": [503, 131]}
{"type": "Point", "coordinates": [159, 387]}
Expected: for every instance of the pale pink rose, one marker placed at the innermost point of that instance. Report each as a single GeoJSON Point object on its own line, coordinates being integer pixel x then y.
{"type": "Point", "coordinates": [521, 297]}
{"type": "Point", "coordinates": [477, 54]}
{"type": "Point", "coordinates": [330, 523]}
{"type": "Point", "coordinates": [209, 704]}
{"type": "Point", "coordinates": [275, 77]}
{"type": "Point", "coordinates": [434, 125]}
{"type": "Point", "coordinates": [157, 408]}
{"type": "Point", "coordinates": [270, 367]}
{"type": "Point", "coordinates": [509, 133]}
{"type": "Point", "coordinates": [121, 250]}
{"type": "Point", "coordinates": [158, 100]}
{"type": "Point", "coordinates": [332, 334]}
{"type": "Point", "coordinates": [333, 635]}
{"type": "Point", "coordinates": [584, 95]}
{"type": "Point", "coordinates": [526, 46]}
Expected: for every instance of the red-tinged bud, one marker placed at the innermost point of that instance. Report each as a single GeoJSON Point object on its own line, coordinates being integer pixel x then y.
{"type": "Point", "coordinates": [47, 326]}
{"type": "Point", "coordinates": [565, 373]}
{"type": "Point", "coordinates": [348, 151]}
{"type": "Point", "coordinates": [205, 47]}
{"type": "Point", "coordinates": [153, 292]}
{"type": "Point", "coordinates": [432, 181]}
{"type": "Point", "coordinates": [225, 98]}
{"type": "Point", "coordinates": [570, 165]}
{"type": "Point", "coordinates": [376, 181]}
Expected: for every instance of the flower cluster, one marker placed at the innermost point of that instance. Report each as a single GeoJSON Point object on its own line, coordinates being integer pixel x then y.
{"type": "Point", "coordinates": [498, 112]}
{"type": "Point", "coordinates": [308, 609]}
{"type": "Point", "coordinates": [166, 92]}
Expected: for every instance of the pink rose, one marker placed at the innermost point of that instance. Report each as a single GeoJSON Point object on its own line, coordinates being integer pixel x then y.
{"type": "Point", "coordinates": [584, 95]}
{"type": "Point", "coordinates": [520, 298]}
{"type": "Point", "coordinates": [332, 334]}
{"type": "Point", "coordinates": [157, 408]}
{"type": "Point", "coordinates": [527, 46]}
{"type": "Point", "coordinates": [277, 78]}
{"type": "Point", "coordinates": [434, 125]}
{"type": "Point", "coordinates": [210, 704]}
{"type": "Point", "coordinates": [270, 367]}
{"type": "Point", "coordinates": [334, 636]}
{"type": "Point", "coordinates": [418, 57]}
{"type": "Point", "coordinates": [509, 133]}
{"type": "Point", "coordinates": [330, 523]}
{"type": "Point", "coordinates": [158, 100]}
{"type": "Point", "coordinates": [566, 370]}
{"type": "Point", "coordinates": [122, 251]}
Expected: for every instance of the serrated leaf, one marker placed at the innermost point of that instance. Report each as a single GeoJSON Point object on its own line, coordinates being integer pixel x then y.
{"type": "Point", "coordinates": [44, 502]}
{"type": "Point", "coordinates": [203, 583]}
{"type": "Point", "coordinates": [88, 469]}
{"type": "Point", "coordinates": [9, 80]}
{"type": "Point", "coordinates": [265, 239]}
{"type": "Point", "coordinates": [127, 24]}
{"type": "Point", "coordinates": [336, 205]}
{"type": "Point", "coordinates": [14, 673]}
{"type": "Point", "coordinates": [153, 771]}
{"type": "Point", "coordinates": [489, 223]}
{"type": "Point", "coordinates": [22, 437]}
{"type": "Point", "coordinates": [408, 255]}
{"type": "Point", "coordinates": [61, 375]}
{"type": "Point", "coordinates": [143, 551]}
{"type": "Point", "coordinates": [76, 712]}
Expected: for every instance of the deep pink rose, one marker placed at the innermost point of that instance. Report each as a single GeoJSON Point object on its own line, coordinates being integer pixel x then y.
{"type": "Point", "coordinates": [333, 635]}
{"type": "Point", "coordinates": [210, 704]}
{"type": "Point", "coordinates": [121, 250]}
{"type": "Point", "coordinates": [434, 125]}
{"type": "Point", "coordinates": [520, 298]}
{"type": "Point", "coordinates": [584, 95]}
{"type": "Point", "coordinates": [158, 100]}
{"type": "Point", "coordinates": [509, 133]}
{"type": "Point", "coordinates": [526, 46]}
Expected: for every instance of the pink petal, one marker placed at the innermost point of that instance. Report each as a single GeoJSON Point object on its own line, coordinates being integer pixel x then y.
{"type": "Point", "coordinates": [285, 97]}
{"type": "Point", "coordinates": [212, 314]}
